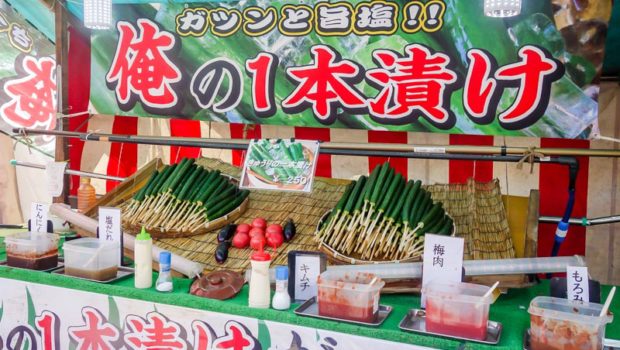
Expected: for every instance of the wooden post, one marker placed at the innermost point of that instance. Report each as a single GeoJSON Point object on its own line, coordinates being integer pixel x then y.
{"type": "Point", "coordinates": [62, 81]}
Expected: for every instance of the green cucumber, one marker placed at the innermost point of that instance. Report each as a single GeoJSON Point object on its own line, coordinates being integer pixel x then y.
{"type": "Point", "coordinates": [213, 175]}
{"type": "Point", "coordinates": [145, 189]}
{"type": "Point", "coordinates": [215, 184]}
{"type": "Point", "coordinates": [433, 214]}
{"type": "Point", "coordinates": [446, 228]}
{"type": "Point", "coordinates": [418, 207]}
{"type": "Point", "coordinates": [184, 170]}
{"type": "Point", "coordinates": [381, 180]}
{"type": "Point", "coordinates": [436, 226]}
{"type": "Point", "coordinates": [230, 190]}
{"type": "Point", "coordinates": [372, 180]}
{"type": "Point", "coordinates": [186, 178]}
{"type": "Point", "coordinates": [400, 201]}
{"type": "Point", "coordinates": [391, 190]}
{"type": "Point", "coordinates": [230, 206]}
{"type": "Point", "coordinates": [359, 184]}
{"type": "Point", "coordinates": [190, 182]}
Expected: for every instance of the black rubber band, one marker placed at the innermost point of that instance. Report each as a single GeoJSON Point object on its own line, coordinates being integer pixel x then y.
{"type": "Point", "coordinates": [504, 150]}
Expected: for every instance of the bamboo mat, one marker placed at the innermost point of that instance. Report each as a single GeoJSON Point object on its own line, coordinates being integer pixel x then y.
{"type": "Point", "coordinates": [477, 209]}
{"type": "Point", "coordinates": [480, 217]}
{"type": "Point", "coordinates": [274, 206]}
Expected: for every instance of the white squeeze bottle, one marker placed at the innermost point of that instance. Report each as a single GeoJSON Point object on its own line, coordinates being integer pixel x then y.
{"type": "Point", "coordinates": [142, 260]}
{"type": "Point", "coordinates": [260, 289]}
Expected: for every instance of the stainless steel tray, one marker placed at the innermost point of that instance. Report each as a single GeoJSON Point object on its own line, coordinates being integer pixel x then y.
{"type": "Point", "coordinates": [526, 342]}
{"type": "Point", "coordinates": [123, 272]}
{"type": "Point", "coordinates": [415, 321]}
{"type": "Point", "coordinates": [60, 265]}
{"type": "Point", "coordinates": [310, 308]}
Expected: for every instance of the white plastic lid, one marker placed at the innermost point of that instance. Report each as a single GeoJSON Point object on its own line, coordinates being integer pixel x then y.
{"type": "Point", "coordinates": [566, 310]}
{"type": "Point", "coordinates": [89, 245]}
{"type": "Point", "coordinates": [31, 241]}
{"type": "Point", "coordinates": [357, 281]}
{"type": "Point", "coordinates": [463, 292]}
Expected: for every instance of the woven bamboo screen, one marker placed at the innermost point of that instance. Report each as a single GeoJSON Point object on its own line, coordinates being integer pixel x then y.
{"type": "Point", "coordinates": [477, 209]}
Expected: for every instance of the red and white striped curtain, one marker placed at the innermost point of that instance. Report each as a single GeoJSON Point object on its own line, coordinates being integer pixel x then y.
{"type": "Point", "coordinates": [593, 194]}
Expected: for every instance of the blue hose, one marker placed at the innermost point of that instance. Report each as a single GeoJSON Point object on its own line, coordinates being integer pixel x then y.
{"type": "Point", "coordinates": [562, 229]}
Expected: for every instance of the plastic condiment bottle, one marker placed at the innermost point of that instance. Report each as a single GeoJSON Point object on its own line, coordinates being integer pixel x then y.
{"type": "Point", "coordinates": [164, 281]}
{"type": "Point", "coordinates": [142, 259]}
{"type": "Point", "coordinates": [281, 299]}
{"type": "Point", "coordinates": [86, 195]}
{"type": "Point", "coordinates": [260, 289]}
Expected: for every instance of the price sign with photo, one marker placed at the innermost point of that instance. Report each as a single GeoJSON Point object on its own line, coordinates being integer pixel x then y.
{"type": "Point", "coordinates": [285, 165]}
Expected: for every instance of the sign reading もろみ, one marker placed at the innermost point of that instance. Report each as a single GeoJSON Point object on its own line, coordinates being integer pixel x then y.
{"type": "Point", "coordinates": [437, 65]}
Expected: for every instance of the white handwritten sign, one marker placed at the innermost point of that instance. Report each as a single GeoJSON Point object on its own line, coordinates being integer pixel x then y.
{"type": "Point", "coordinates": [54, 173]}
{"type": "Point", "coordinates": [577, 287]}
{"type": "Point", "coordinates": [307, 271]}
{"type": "Point", "coordinates": [443, 259]}
{"type": "Point", "coordinates": [38, 217]}
{"type": "Point", "coordinates": [110, 227]}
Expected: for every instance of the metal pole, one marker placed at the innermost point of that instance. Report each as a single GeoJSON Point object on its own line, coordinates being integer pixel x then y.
{"type": "Point", "coordinates": [62, 55]}
{"type": "Point", "coordinates": [328, 147]}
{"type": "Point", "coordinates": [584, 221]}
{"type": "Point", "coordinates": [69, 171]}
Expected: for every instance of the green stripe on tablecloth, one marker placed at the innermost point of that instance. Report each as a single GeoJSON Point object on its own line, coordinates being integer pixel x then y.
{"type": "Point", "coordinates": [510, 309]}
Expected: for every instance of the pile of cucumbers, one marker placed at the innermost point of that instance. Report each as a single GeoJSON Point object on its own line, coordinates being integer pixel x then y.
{"type": "Point", "coordinates": [184, 197]}
{"type": "Point", "coordinates": [384, 217]}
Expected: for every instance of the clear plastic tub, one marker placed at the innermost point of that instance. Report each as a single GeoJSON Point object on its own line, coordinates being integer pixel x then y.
{"type": "Point", "coordinates": [561, 324]}
{"type": "Point", "coordinates": [457, 309]}
{"type": "Point", "coordinates": [91, 258]}
{"type": "Point", "coordinates": [36, 251]}
{"type": "Point", "coordinates": [350, 296]}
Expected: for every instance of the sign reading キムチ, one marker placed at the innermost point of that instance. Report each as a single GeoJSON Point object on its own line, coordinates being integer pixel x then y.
{"type": "Point", "coordinates": [437, 65]}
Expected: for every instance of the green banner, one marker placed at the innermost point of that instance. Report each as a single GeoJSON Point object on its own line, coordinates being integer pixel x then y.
{"type": "Point", "coordinates": [28, 96]}
{"type": "Point", "coordinates": [436, 65]}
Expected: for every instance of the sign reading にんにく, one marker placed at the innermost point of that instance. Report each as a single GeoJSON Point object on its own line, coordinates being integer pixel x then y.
{"type": "Point", "coordinates": [437, 65]}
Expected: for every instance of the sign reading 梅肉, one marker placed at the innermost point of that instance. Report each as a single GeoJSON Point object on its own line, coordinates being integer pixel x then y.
{"type": "Point", "coordinates": [437, 66]}
{"type": "Point", "coordinates": [283, 165]}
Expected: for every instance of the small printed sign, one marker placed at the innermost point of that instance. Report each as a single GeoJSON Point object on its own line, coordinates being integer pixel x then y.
{"type": "Point", "coordinates": [38, 217]}
{"type": "Point", "coordinates": [110, 228]}
{"type": "Point", "coordinates": [305, 269]}
{"type": "Point", "coordinates": [54, 173]}
{"type": "Point", "coordinates": [429, 149]}
{"type": "Point", "coordinates": [577, 285]}
{"type": "Point", "coordinates": [443, 259]}
{"type": "Point", "coordinates": [284, 165]}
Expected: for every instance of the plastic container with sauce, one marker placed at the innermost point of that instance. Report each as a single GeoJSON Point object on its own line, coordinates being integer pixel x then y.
{"type": "Point", "coordinates": [557, 323]}
{"type": "Point", "coordinates": [349, 296]}
{"type": "Point", "coordinates": [91, 258]}
{"type": "Point", "coordinates": [29, 250]}
{"type": "Point", "coordinates": [457, 309]}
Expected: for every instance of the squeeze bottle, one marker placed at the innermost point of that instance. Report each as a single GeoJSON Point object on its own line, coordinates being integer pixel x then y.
{"type": "Point", "coordinates": [164, 280]}
{"type": "Point", "coordinates": [142, 259]}
{"type": "Point", "coordinates": [281, 299]}
{"type": "Point", "coordinates": [86, 195]}
{"type": "Point", "coordinates": [260, 289]}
